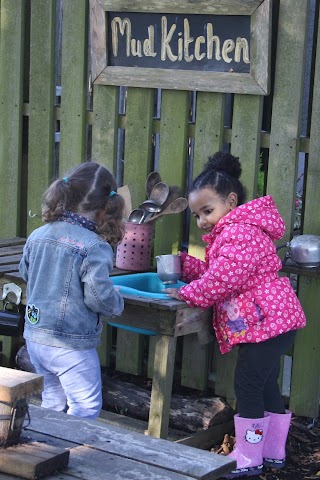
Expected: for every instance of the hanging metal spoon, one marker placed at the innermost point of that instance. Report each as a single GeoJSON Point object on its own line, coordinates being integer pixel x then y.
{"type": "Point", "coordinates": [150, 208]}
{"type": "Point", "coordinates": [136, 216]}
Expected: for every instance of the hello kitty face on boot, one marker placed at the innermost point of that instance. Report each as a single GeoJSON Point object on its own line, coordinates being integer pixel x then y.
{"type": "Point", "coordinates": [254, 436]}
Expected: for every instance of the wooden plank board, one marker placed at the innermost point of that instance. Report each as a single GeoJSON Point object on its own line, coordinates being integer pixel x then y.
{"type": "Point", "coordinates": [209, 129]}
{"type": "Point", "coordinates": [32, 460]}
{"type": "Point", "coordinates": [225, 7]}
{"type": "Point", "coordinates": [11, 250]}
{"type": "Point", "coordinates": [7, 242]}
{"type": "Point", "coordinates": [245, 142]}
{"type": "Point", "coordinates": [11, 100]}
{"type": "Point", "coordinates": [131, 445]}
{"type": "Point", "coordinates": [164, 361]}
{"type": "Point", "coordinates": [105, 126]}
{"type": "Point", "coordinates": [91, 464]}
{"type": "Point", "coordinates": [138, 141]}
{"type": "Point", "coordinates": [10, 259]}
{"type": "Point", "coordinates": [137, 151]}
{"type": "Point", "coordinates": [305, 386]}
{"type": "Point", "coordinates": [172, 165]}
{"type": "Point", "coordinates": [171, 79]}
{"type": "Point", "coordinates": [194, 374]}
{"type": "Point", "coordinates": [129, 352]}
{"type": "Point", "coordinates": [41, 102]}
{"type": "Point", "coordinates": [286, 109]}
{"type": "Point", "coordinates": [74, 84]}
{"type": "Point", "coordinates": [8, 268]}
{"type": "Point", "coordinates": [16, 384]}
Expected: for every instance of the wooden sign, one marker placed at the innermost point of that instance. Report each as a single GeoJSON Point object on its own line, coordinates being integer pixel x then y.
{"type": "Point", "coordinates": [217, 45]}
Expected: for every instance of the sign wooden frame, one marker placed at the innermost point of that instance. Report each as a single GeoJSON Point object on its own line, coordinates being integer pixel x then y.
{"type": "Point", "coordinates": [257, 82]}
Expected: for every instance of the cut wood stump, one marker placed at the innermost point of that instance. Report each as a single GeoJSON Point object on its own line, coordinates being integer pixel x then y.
{"type": "Point", "coordinates": [187, 414]}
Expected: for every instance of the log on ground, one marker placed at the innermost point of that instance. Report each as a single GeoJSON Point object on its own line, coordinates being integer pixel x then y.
{"type": "Point", "coordinates": [189, 414]}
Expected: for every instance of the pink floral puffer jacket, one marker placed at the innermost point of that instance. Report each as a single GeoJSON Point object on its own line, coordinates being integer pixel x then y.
{"type": "Point", "coordinates": [240, 277]}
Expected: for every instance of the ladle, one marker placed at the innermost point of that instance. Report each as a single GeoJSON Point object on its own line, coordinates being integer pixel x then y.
{"type": "Point", "coordinates": [159, 193]}
{"type": "Point", "coordinates": [177, 206]}
{"type": "Point", "coordinates": [150, 207]}
{"type": "Point", "coordinates": [152, 179]}
{"type": "Point", "coordinates": [136, 216]}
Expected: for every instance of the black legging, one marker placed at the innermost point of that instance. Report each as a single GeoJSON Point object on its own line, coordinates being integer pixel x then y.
{"type": "Point", "coordinates": [256, 376]}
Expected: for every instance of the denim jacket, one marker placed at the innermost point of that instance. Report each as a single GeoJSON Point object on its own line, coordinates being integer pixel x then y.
{"type": "Point", "coordinates": [67, 270]}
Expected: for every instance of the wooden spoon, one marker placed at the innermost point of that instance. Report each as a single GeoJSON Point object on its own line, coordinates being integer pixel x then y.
{"type": "Point", "coordinates": [174, 192]}
{"type": "Point", "coordinates": [152, 179]}
{"type": "Point", "coordinates": [177, 206]}
{"type": "Point", "coordinates": [159, 193]}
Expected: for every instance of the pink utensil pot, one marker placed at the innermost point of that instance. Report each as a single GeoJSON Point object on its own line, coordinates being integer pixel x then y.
{"type": "Point", "coordinates": [134, 250]}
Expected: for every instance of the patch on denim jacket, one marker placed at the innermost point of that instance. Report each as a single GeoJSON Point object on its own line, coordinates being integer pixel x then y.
{"type": "Point", "coordinates": [33, 314]}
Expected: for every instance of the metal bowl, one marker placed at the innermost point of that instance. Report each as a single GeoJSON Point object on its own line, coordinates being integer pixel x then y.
{"type": "Point", "coordinates": [304, 250]}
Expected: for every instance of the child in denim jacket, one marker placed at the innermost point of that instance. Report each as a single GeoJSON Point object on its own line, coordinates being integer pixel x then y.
{"type": "Point", "coordinates": [66, 264]}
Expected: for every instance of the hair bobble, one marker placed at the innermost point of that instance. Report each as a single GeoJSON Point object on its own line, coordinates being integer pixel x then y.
{"type": "Point", "coordinates": [65, 179]}
{"type": "Point", "coordinates": [112, 193]}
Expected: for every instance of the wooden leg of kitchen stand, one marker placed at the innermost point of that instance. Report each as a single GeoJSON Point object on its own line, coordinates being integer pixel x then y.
{"type": "Point", "coordinates": [164, 360]}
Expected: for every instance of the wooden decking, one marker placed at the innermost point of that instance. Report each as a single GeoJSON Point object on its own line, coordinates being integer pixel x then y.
{"type": "Point", "coordinates": [101, 451]}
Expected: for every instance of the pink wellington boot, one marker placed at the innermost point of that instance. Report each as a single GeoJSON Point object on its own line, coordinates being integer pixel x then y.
{"type": "Point", "coordinates": [274, 450]}
{"type": "Point", "coordinates": [250, 438]}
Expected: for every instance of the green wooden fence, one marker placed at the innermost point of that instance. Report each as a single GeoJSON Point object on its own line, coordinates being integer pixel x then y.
{"type": "Point", "coordinates": [177, 142]}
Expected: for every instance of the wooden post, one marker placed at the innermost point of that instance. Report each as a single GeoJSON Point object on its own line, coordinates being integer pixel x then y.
{"type": "Point", "coordinates": [162, 386]}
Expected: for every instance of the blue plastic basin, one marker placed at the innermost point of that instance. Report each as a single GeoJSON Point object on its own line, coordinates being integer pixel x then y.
{"type": "Point", "coordinates": [146, 285]}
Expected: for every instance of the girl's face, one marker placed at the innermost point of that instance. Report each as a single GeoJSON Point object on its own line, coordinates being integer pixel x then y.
{"type": "Point", "coordinates": [208, 207]}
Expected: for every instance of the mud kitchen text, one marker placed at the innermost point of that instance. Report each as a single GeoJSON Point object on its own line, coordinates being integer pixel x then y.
{"type": "Point", "coordinates": [172, 43]}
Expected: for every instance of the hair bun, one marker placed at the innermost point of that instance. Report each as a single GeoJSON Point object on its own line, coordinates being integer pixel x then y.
{"type": "Point", "coordinates": [224, 162]}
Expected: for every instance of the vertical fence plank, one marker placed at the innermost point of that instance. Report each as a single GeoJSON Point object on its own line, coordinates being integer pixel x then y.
{"type": "Point", "coordinates": [137, 152]}
{"type": "Point", "coordinates": [285, 133]}
{"type": "Point", "coordinates": [105, 126]}
{"type": "Point", "coordinates": [129, 354]}
{"type": "Point", "coordinates": [286, 109]}
{"type": "Point", "coordinates": [138, 141]}
{"type": "Point", "coordinates": [172, 164]}
{"type": "Point", "coordinates": [305, 387]}
{"type": "Point", "coordinates": [209, 129]}
{"type": "Point", "coordinates": [41, 100]}
{"type": "Point", "coordinates": [74, 84]}
{"type": "Point", "coordinates": [11, 102]}
{"type": "Point", "coordinates": [245, 141]}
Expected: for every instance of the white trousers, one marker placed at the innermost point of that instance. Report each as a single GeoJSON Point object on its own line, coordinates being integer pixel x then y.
{"type": "Point", "coordinates": [72, 379]}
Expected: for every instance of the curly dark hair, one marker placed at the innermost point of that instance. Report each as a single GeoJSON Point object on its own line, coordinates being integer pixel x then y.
{"type": "Point", "coordinates": [221, 173]}
{"type": "Point", "coordinates": [86, 191]}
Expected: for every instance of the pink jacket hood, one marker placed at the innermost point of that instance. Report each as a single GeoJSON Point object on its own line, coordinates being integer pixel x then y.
{"type": "Point", "coordinates": [261, 212]}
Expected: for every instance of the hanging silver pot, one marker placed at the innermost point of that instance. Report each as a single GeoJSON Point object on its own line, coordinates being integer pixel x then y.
{"type": "Point", "coordinates": [304, 250]}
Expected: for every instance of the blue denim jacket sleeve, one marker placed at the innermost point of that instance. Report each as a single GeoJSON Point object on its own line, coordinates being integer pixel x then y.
{"type": "Point", "coordinates": [99, 293]}
{"type": "Point", "coordinates": [24, 265]}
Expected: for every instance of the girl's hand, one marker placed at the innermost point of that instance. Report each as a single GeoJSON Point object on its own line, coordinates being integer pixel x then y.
{"type": "Point", "coordinates": [173, 292]}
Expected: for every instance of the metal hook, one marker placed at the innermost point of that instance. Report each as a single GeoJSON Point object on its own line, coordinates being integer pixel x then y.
{"type": "Point", "coordinates": [31, 215]}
